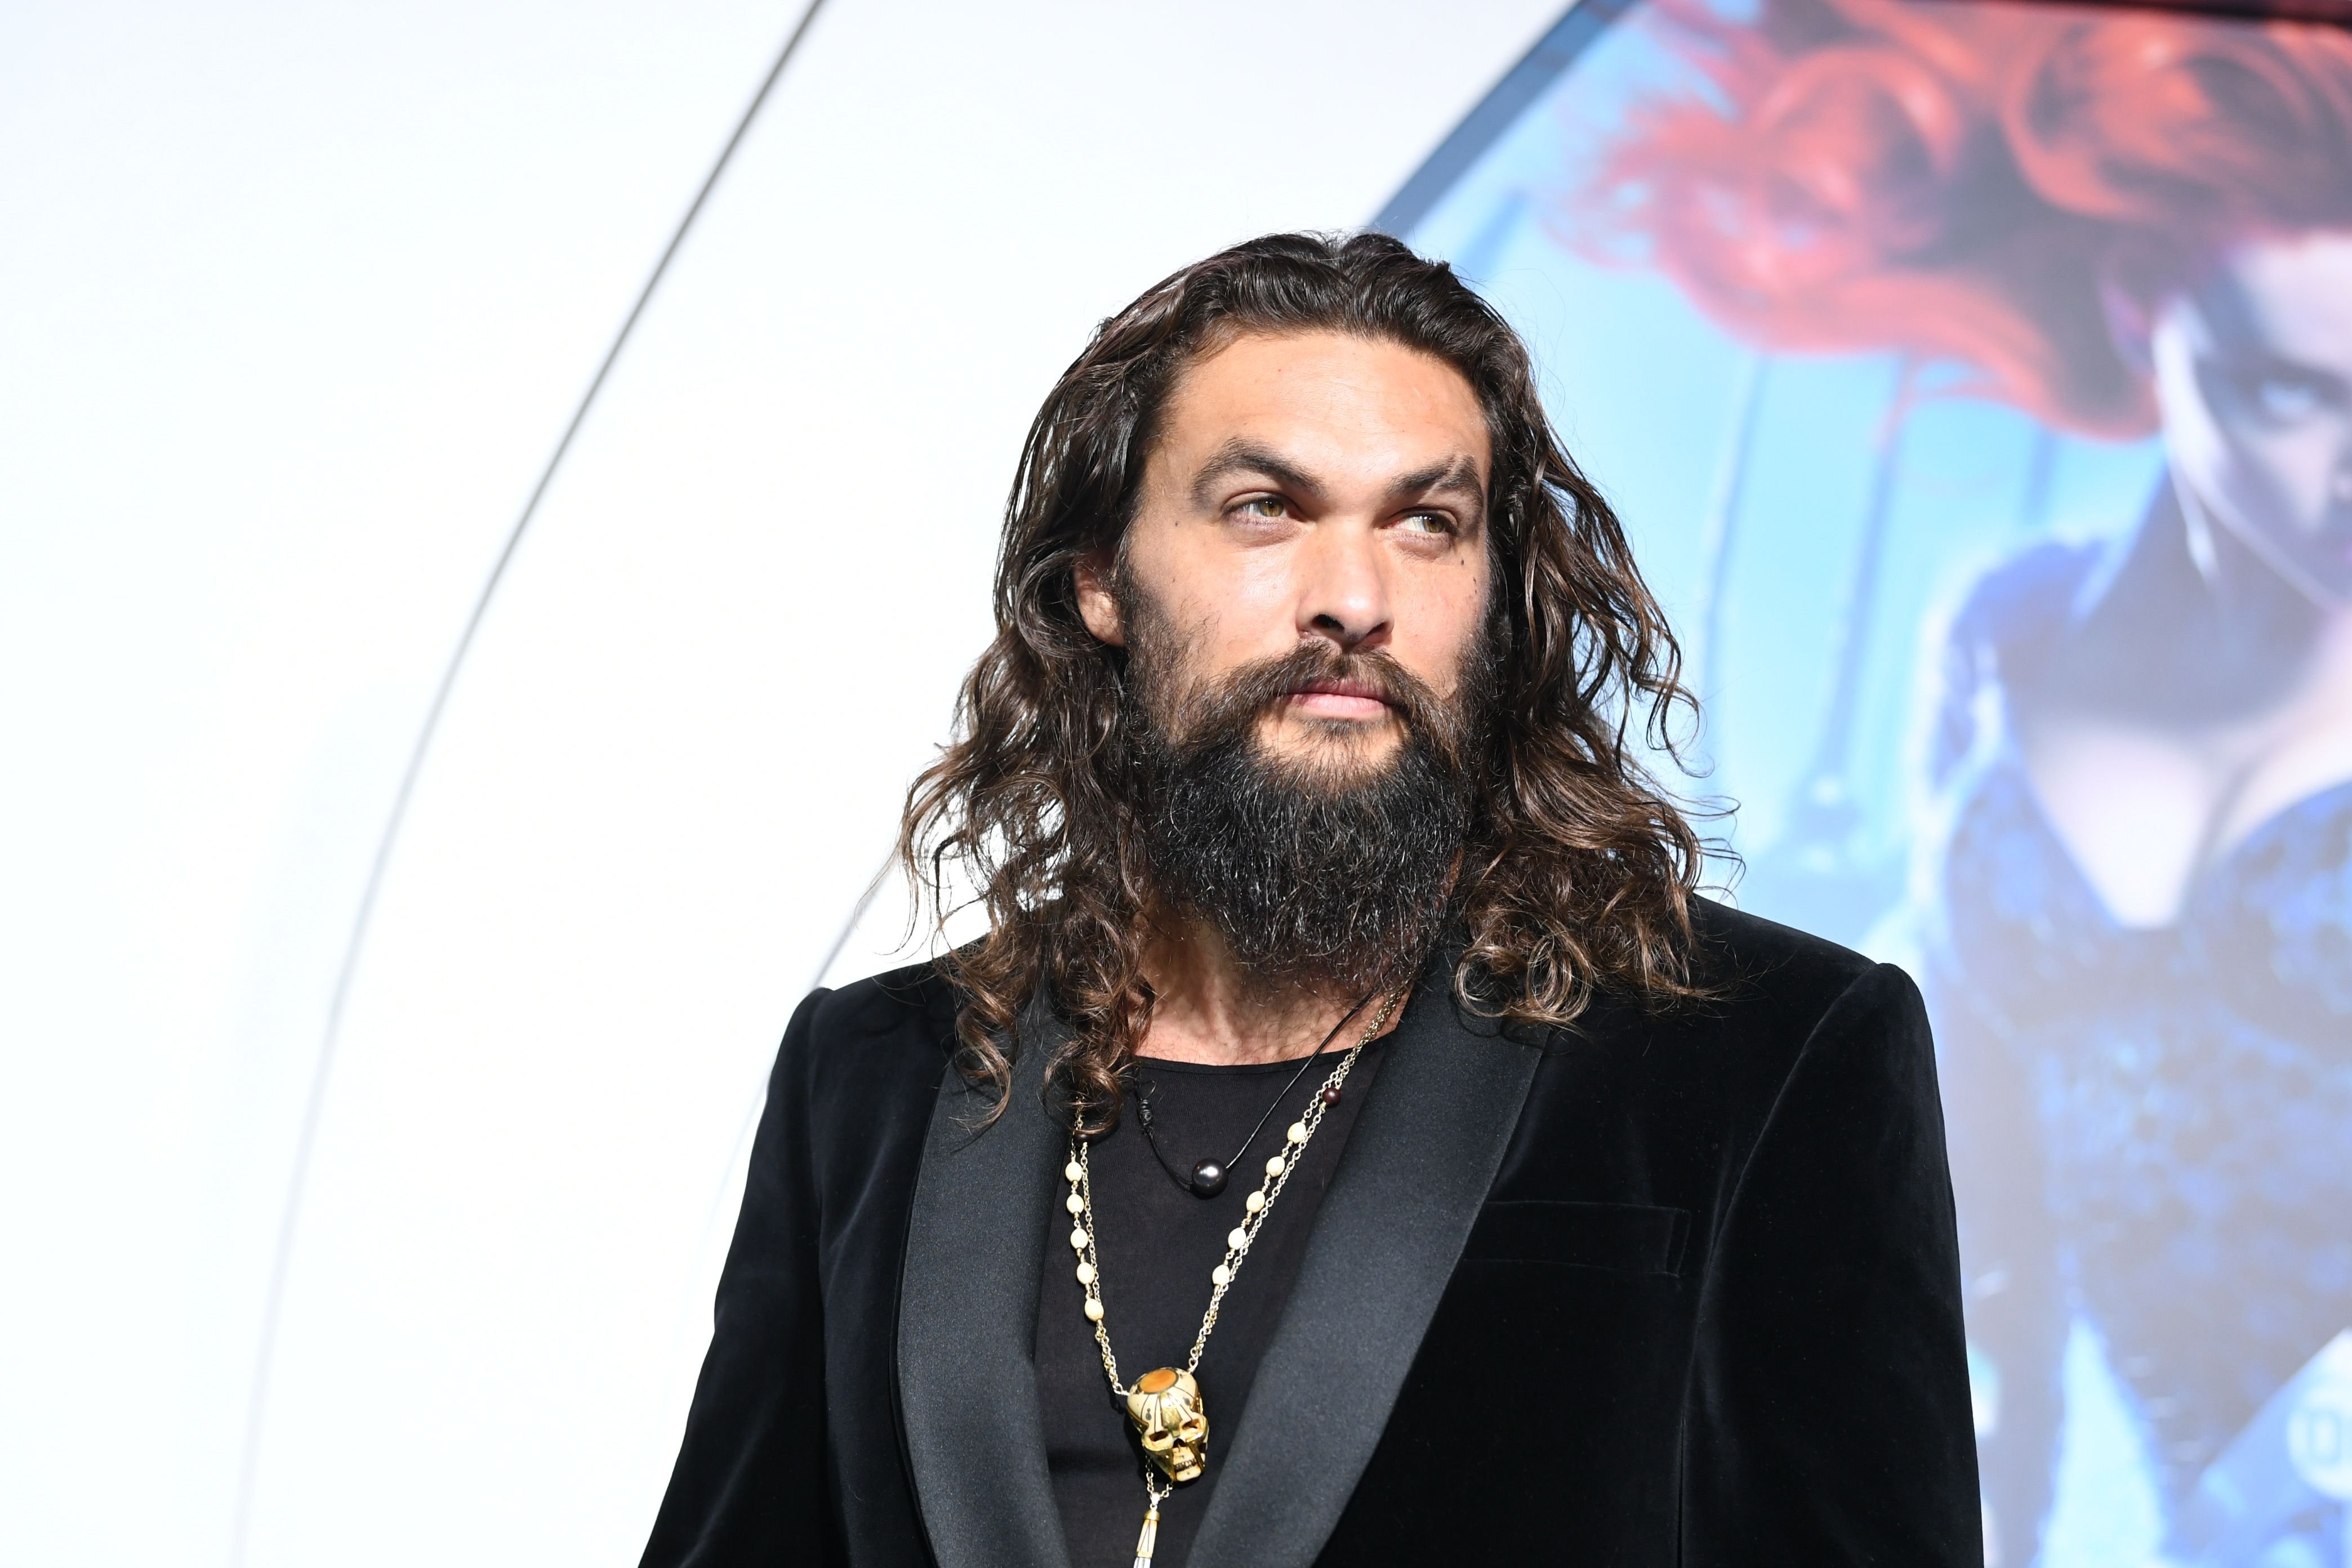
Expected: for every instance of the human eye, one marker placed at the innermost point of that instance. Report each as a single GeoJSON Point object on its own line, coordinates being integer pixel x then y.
{"type": "Point", "coordinates": [1428, 524]}
{"type": "Point", "coordinates": [2283, 400]}
{"type": "Point", "coordinates": [2272, 392]}
{"type": "Point", "coordinates": [1261, 509]}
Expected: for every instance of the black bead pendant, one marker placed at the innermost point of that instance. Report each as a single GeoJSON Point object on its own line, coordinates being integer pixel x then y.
{"type": "Point", "coordinates": [1208, 1179]}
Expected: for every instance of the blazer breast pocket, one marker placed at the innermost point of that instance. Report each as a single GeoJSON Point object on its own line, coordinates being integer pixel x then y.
{"type": "Point", "coordinates": [1623, 1238]}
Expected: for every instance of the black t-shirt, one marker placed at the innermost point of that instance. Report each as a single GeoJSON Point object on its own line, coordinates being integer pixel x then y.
{"type": "Point", "coordinates": [1157, 1243]}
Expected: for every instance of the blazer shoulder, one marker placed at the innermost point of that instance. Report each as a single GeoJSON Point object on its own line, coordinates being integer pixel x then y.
{"type": "Point", "coordinates": [1736, 945]}
{"type": "Point", "coordinates": [902, 1018]}
{"type": "Point", "coordinates": [1766, 974]}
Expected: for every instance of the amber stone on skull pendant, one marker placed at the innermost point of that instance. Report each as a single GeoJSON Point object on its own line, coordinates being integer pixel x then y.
{"type": "Point", "coordinates": [1165, 1405]}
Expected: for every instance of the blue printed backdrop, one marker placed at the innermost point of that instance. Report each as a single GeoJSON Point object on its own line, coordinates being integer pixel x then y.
{"type": "Point", "coordinates": [2150, 1177]}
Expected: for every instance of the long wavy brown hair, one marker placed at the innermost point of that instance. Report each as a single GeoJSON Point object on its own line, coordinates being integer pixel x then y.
{"type": "Point", "coordinates": [1580, 869]}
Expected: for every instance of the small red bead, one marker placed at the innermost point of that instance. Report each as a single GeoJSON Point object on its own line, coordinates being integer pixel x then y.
{"type": "Point", "coordinates": [1331, 1095]}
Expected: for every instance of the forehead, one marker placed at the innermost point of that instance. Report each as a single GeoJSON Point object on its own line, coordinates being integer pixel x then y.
{"type": "Point", "coordinates": [2288, 297]}
{"type": "Point", "coordinates": [1335, 402]}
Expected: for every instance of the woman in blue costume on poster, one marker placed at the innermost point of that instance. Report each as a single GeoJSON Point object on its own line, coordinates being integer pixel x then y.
{"type": "Point", "coordinates": [2140, 955]}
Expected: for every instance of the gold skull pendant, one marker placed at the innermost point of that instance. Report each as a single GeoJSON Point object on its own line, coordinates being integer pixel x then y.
{"type": "Point", "coordinates": [1165, 1405]}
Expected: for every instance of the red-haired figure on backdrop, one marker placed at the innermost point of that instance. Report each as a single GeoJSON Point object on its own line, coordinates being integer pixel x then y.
{"type": "Point", "coordinates": [2141, 934]}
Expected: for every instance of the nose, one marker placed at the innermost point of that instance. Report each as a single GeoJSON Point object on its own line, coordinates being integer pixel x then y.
{"type": "Point", "coordinates": [1343, 590]}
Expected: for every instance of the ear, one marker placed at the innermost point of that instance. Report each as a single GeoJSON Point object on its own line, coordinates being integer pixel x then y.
{"type": "Point", "coordinates": [1097, 605]}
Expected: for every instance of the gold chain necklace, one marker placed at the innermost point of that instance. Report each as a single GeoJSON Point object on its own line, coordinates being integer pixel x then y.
{"type": "Point", "coordinates": [1165, 1403]}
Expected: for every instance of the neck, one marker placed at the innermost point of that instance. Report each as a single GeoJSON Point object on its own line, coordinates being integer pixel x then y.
{"type": "Point", "coordinates": [1210, 1010]}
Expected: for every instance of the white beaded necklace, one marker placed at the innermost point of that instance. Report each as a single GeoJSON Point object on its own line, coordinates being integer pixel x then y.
{"type": "Point", "coordinates": [1165, 1403]}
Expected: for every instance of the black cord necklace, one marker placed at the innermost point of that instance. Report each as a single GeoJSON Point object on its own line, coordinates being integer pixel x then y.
{"type": "Point", "coordinates": [1208, 1177]}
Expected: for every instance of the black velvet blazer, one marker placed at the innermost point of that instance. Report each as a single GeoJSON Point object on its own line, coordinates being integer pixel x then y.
{"type": "Point", "coordinates": [1662, 1289]}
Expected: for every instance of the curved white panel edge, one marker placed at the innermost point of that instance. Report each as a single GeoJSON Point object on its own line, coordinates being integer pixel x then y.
{"type": "Point", "coordinates": [300, 297]}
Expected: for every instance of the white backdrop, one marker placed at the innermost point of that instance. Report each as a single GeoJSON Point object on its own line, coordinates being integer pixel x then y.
{"type": "Point", "coordinates": [294, 301]}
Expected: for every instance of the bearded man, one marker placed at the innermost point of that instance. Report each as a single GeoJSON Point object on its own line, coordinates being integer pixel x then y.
{"type": "Point", "coordinates": [1354, 1140]}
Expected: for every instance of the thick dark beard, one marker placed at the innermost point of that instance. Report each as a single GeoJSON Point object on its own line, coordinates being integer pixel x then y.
{"type": "Point", "coordinates": [1311, 874]}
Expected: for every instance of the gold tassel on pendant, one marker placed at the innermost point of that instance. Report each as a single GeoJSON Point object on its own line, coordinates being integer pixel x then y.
{"type": "Point", "coordinates": [1150, 1538]}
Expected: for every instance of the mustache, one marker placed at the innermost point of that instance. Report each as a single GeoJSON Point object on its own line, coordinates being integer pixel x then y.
{"type": "Point", "coordinates": [1235, 703]}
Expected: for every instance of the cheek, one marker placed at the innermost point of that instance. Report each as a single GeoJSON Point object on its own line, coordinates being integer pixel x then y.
{"type": "Point", "coordinates": [1442, 622]}
{"type": "Point", "coordinates": [1246, 614]}
{"type": "Point", "coordinates": [1230, 610]}
{"type": "Point", "coordinates": [2290, 473]}
{"type": "Point", "coordinates": [2280, 482]}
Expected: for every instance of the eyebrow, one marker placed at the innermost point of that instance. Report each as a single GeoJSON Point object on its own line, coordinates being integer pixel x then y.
{"type": "Point", "coordinates": [1456, 475]}
{"type": "Point", "coordinates": [1240, 457]}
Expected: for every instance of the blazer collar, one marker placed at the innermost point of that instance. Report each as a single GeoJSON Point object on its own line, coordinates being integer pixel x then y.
{"type": "Point", "coordinates": [1410, 1184]}
{"type": "Point", "coordinates": [968, 1317]}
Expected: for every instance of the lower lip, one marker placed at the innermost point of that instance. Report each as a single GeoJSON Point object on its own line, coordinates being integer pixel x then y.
{"type": "Point", "coordinates": [1334, 705]}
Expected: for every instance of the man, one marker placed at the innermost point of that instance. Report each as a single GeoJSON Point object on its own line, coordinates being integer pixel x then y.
{"type": "Point", "coordinates": [1353, 1141]}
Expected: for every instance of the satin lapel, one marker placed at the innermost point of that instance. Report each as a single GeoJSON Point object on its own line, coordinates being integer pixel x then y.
{"type": "Point", "coordinates": [967, 1322]}
{"type": "Point", "coordinates": [1414, 1175]}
